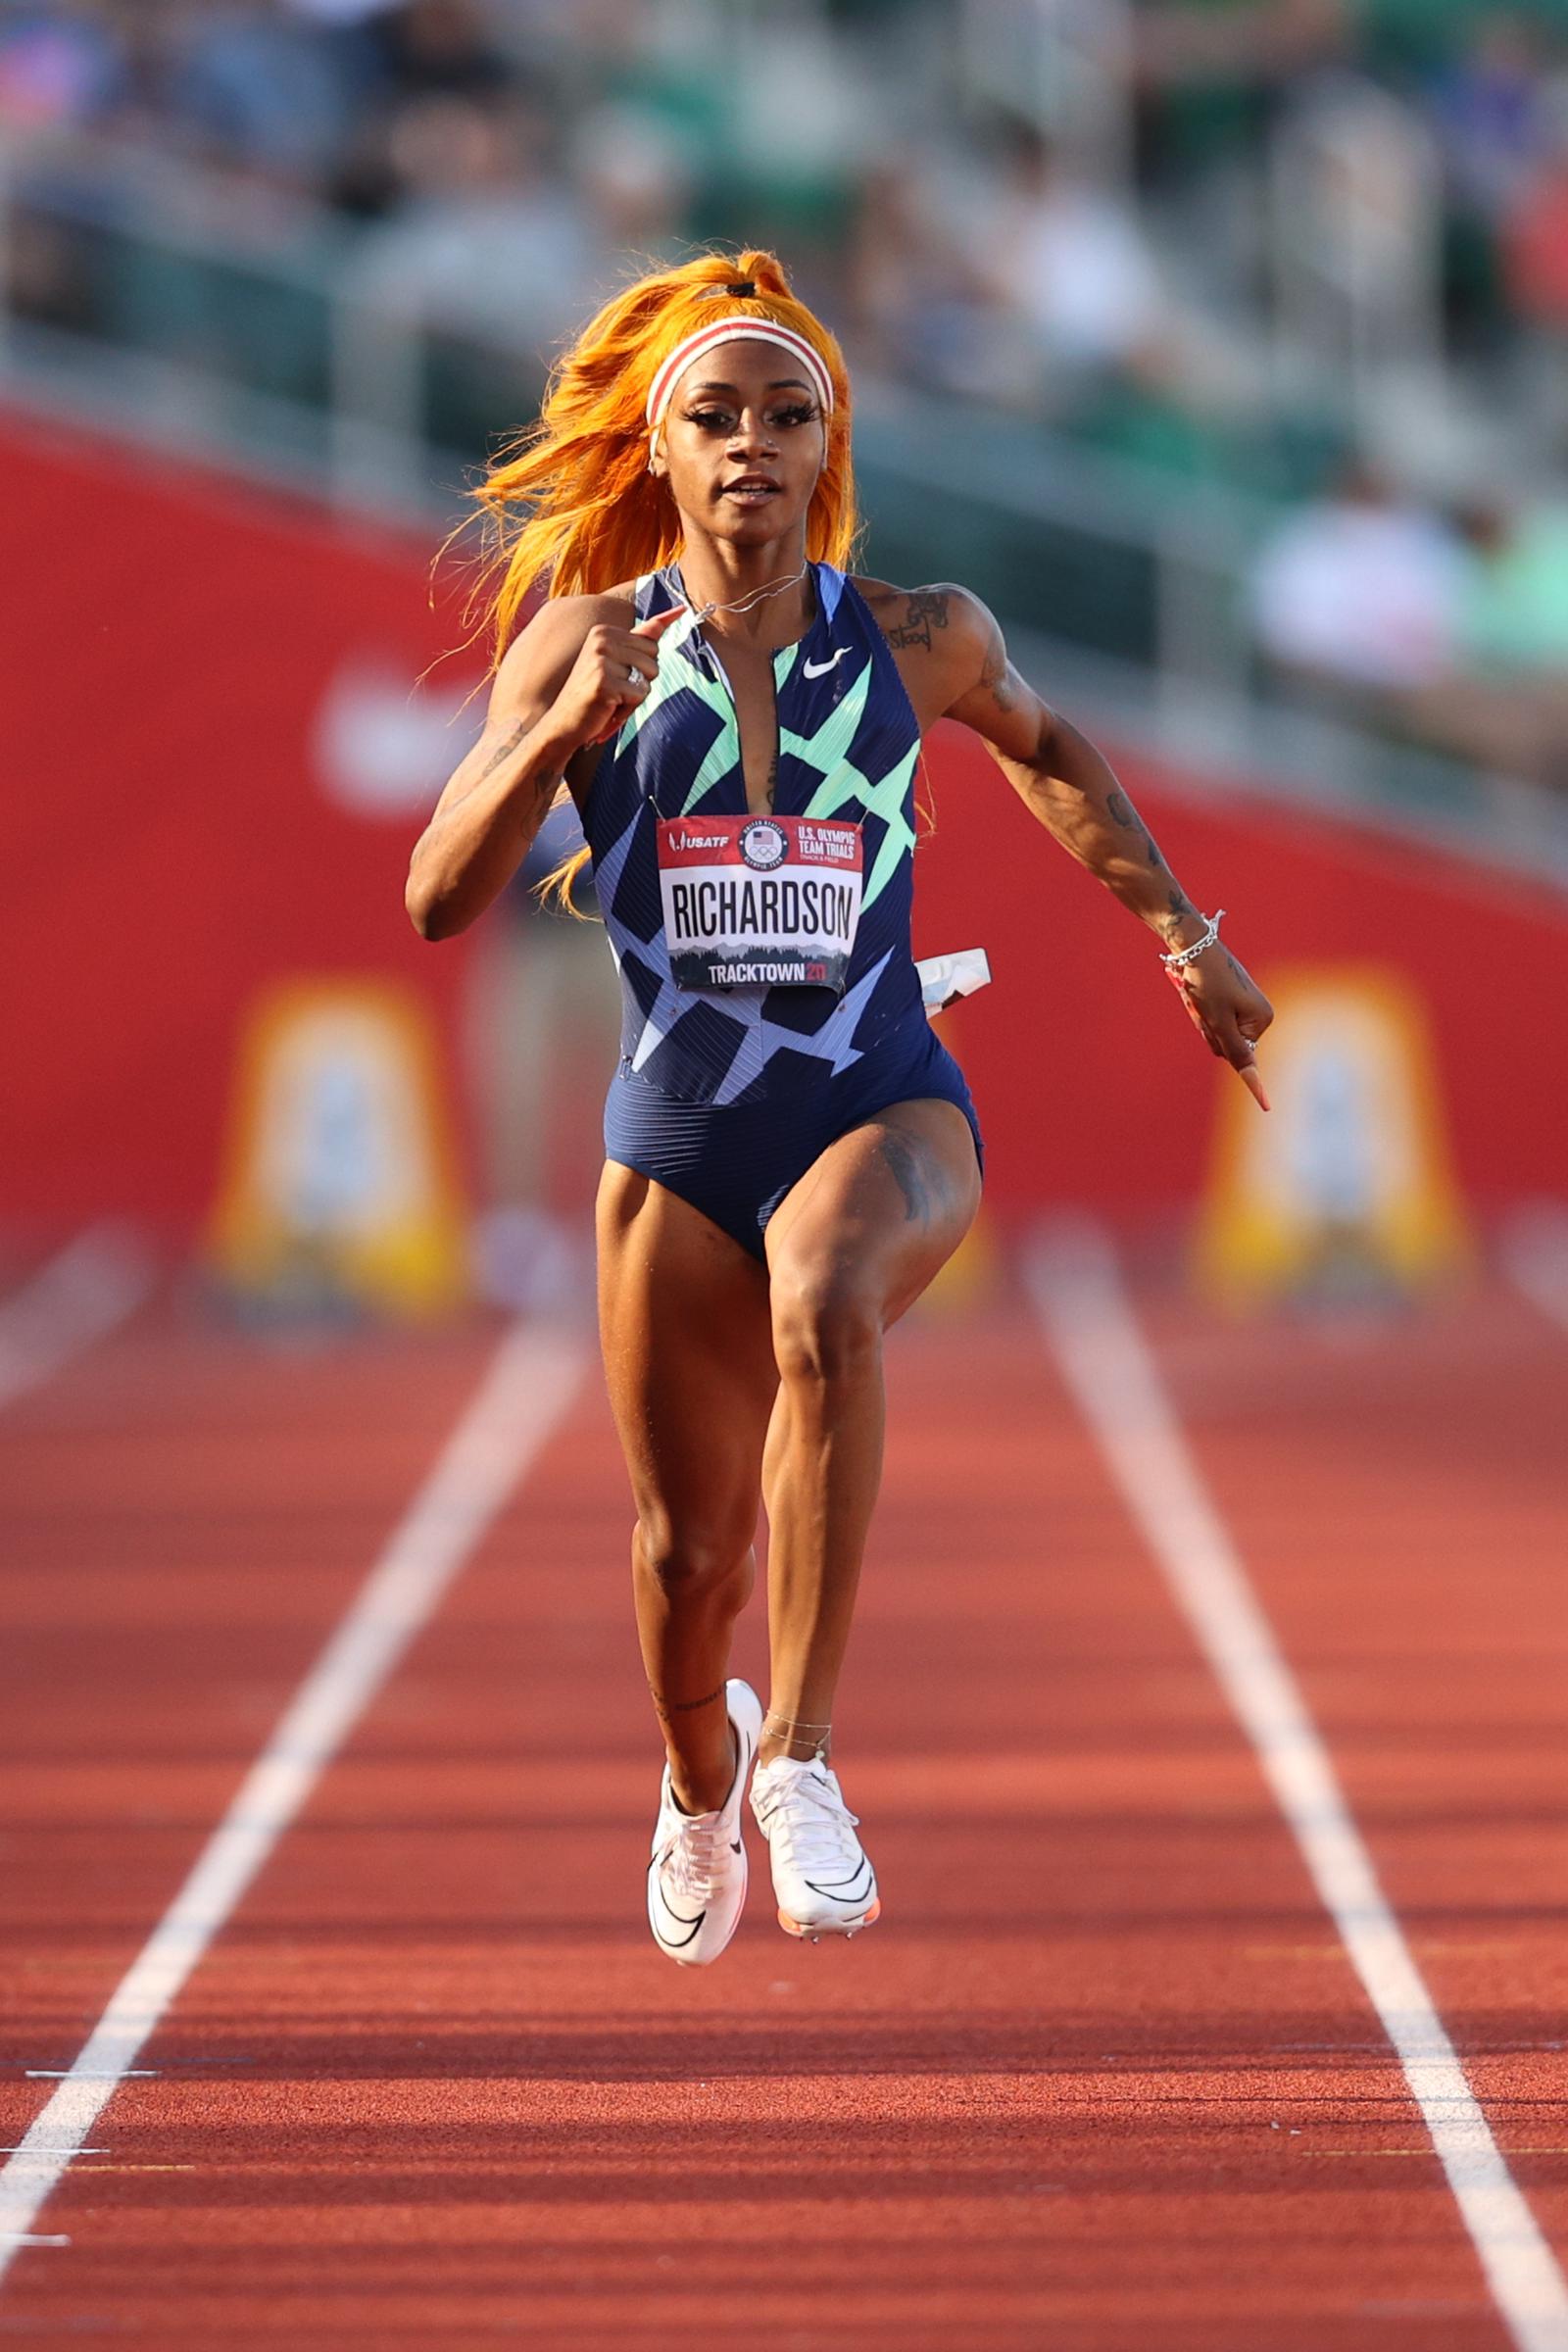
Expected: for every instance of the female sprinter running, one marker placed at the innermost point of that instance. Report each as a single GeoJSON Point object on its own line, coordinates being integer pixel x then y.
{"type": "Point", "coordinates": [791, 1154]}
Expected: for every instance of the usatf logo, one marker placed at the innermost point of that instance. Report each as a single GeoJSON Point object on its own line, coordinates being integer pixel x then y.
{"type": "Point", "coordinates": [763, 845]}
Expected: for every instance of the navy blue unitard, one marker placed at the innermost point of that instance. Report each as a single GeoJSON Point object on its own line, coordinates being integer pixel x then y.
{"type": "Point", "coordinates": [726, 1095]}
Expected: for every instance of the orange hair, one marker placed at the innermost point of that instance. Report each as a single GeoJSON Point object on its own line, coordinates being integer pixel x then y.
{"type": "Point", "coordinates": [575, 506]}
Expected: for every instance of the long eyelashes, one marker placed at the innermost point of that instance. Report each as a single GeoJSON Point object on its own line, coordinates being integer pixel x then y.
{"type": "Point", "coordinates": [724, 421]}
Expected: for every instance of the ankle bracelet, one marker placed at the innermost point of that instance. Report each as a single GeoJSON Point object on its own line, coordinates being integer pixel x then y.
{"type": "Point", "coordinates": [813, 1736]}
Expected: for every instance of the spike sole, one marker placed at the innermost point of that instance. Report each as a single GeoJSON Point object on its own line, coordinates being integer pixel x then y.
{"type": "Point", "coordinates": [817, 1928]}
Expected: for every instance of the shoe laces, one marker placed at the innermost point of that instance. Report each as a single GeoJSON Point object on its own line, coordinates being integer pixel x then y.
{"type": "Point", "coordinates": [695, 1862]}
{"type": "Point", "coordinates": [805, 1819]}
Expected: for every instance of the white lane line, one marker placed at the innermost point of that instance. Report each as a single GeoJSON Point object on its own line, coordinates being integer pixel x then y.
{"type": "Point", "coordinates": [1534, 1258]}
{"type": "Point", "coordinates": [75, 1297]}
{"type": "Point", "coordinates": [530, 1383]}
{"type": "Point", "coordinates": [1089, 1320]}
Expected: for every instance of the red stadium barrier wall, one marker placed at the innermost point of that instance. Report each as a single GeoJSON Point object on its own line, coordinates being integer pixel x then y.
{"type": "Point", "coordinates": [181, 662]}
{"type": "Point", "coordinates": [1092, 1085]}
{"type": "Point", "coordinates": [215, 761]}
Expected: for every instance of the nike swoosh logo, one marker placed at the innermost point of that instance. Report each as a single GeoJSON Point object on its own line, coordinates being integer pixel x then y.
{"type": "Point", "coordinates": [845, 1890]}
{"type": "Point", "coordinates": [820, 670]}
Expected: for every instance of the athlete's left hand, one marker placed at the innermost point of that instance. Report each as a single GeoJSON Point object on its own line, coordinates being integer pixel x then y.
{"type": "Point", "coordinates": [1227, 1008]}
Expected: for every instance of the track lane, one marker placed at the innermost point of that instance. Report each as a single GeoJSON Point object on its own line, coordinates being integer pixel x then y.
{"type": "Point", "coordinates": [1396, 1486]}
{"type": "Point", "coordinates": [445, 2093]}
{"type": "Point", "coordinates": [45, 1459]}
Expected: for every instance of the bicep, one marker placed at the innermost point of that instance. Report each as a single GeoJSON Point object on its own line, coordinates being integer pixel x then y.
{"type": "Point", "coordinates": [1000, 706]}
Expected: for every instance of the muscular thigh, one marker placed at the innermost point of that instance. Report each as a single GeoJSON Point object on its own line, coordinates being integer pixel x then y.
{"type": "Point", "coordinates": [883, 1208]}
{"type": "Point", "coordinates": [683, 1318]}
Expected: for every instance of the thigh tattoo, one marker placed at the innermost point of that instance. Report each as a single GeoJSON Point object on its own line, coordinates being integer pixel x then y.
{"type": "Point", "coordinates": [910, 1176]}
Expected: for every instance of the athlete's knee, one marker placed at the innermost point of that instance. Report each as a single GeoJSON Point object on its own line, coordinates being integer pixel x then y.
{"type": "Point", "coordinates": [694, 1562]}
{"type": "Point", "coordinates": [827, 1324]}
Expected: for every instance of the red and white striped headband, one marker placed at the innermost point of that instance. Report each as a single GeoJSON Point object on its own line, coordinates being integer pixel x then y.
{"type": "Point", "coordinates": [738, 328]}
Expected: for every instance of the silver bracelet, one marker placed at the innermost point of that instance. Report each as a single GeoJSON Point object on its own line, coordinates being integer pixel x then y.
{"type": "Point", "coordinates": [1173, 963]}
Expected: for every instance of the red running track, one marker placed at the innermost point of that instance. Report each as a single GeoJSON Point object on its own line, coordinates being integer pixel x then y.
{"type": "Point", "coordinates": [1102, 2078]}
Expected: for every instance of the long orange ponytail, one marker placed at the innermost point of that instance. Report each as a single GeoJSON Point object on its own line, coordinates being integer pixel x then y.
{"type": "Point", "coordinates": [575, 507]}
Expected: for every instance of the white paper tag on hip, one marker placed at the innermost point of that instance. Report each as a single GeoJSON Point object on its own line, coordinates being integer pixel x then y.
{"type": "Point", "coordinates": [944, 979]}
{"type": "Point", "coordinates": [759, 902]}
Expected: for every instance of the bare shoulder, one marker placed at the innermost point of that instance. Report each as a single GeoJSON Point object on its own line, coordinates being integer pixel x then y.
{"type": "Point", "coordinates": [934, 618]}
{"type": "Point", "coordinates": [941, 636]}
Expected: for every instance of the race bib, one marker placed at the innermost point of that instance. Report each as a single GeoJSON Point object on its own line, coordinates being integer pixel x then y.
{"type": "Point", "coordinates": [759, 902]}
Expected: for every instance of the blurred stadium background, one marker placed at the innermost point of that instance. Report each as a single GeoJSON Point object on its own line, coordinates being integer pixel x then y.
{"type": "Point", "coordinates": [1218, 343]}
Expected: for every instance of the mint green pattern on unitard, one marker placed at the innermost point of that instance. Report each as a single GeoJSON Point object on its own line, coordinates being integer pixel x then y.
{"type": "Point", "coordinates": [827, 750]}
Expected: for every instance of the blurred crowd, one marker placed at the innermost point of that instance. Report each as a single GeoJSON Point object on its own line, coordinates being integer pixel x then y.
{"type": "Point", "coordinates": [1312, 250]}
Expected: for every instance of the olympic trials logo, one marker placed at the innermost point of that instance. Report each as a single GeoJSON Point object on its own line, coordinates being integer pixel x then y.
{"type": "Point", "coordinates": [763, 845]}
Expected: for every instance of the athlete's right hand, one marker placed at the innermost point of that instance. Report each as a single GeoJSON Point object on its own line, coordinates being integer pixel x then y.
{"type": "Point", "coordinates": [610, 676]}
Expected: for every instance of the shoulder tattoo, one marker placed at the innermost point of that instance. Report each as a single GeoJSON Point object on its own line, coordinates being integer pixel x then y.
{"type": "Point", "coordinates": [924, 609]}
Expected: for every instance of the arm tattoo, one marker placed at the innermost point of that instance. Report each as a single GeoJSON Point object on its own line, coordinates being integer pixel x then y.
{"type": "Point", "coordinates": [925, 610]}
{"type": "Point", "coordinates": [545, 787]}
{"type": "Point", "coordinates": [1095, 801]}
{"type": "Point", "coordinates": [1120, 811]}
{"type": "Point", "coordinates": [502, 752]}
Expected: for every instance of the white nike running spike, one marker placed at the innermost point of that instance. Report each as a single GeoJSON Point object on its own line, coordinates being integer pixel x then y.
{"type": "Point", "coordinates": [697, 1877]}
{"type": "Point", "coordinates": [822, 1877]}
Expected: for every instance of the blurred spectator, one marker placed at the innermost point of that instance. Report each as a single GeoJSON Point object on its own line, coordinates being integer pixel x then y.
{"type": "Point", "coordinates": [487, 237]}
{"type": "Point", "coordinates": [489, 169]}
{"type": "Point", "coordinates": [922, 306]}
{"type": "Point", "coordinates": [1509, 706]}
{"type": "Point", "coordinates": [438, 49]}
{"type": "Point", "coordinates": [1211, 71]}
{"type": "Point", "coordinates": [58, 67]}
{"type": "Point", "coordinates": [1359, 596]}
{"type": "Point", "coordinates": [1070, 259]}
{"type": "Point", "coordinates": [259, 90]}
{"type": "Point", "coordinates": [1536, 241]}
{"type": "Point", "coordinates": [1015, 287]}
{"type": "Point", "coordinates": [1490, 109]}
{"type": "Point", "coordinates": [491, 249]}
{"type": "Point", "coordinates": [340, 12]}
{"type": "Point", "coordinates": [637, 183]}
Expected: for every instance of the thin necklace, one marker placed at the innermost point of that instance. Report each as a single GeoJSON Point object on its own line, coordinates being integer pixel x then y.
{"type": "Point", "coordinates": [741, 604]}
